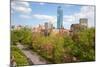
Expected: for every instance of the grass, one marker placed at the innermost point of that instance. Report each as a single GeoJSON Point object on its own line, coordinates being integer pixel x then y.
{"type": "Point", "coordinates": [20, 58]}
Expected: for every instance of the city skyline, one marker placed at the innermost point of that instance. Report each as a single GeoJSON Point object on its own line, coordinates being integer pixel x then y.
{"type": "Point", "coordinates": [33, 14]}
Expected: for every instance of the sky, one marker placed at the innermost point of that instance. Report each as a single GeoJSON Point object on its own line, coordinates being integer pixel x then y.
{"type": "Point", "coordinates": [35, 13]}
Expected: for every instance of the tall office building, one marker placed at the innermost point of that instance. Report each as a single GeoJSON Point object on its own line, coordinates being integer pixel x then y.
{"type": "Point", "coordinates": [59, 17]}
{"type": "Point", "coordinates": [46, 29]}
{"type": "Point", "coordinates": [83, 22]}
{"type": "Point", "coordinates": [50, 25]}
{"type": "Point", "coordinates": [46, 25]}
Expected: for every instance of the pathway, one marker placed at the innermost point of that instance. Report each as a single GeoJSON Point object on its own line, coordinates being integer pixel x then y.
{"type": "Point", "coordinates": [35, 58]}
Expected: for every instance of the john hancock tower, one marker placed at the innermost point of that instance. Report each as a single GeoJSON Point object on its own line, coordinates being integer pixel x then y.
{"type": "Point", "coordinates": [59, 17]}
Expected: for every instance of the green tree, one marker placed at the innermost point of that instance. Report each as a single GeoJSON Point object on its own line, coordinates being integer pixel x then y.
{"type": "Point", "coordinates": [85, 45]}
{"type": "Point", "coordinates": [24, 35]}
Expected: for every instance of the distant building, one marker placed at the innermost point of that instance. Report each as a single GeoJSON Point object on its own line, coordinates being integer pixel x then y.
{"type": "Point", "coordinates": [38, 29]}
{"type": "Point", "coordinates": [59, 17]}
{"type": "Point", "coordinates": [83, 22]}
{"type": "Point", "coordinates": [12, 27]}
{"type": "Point", "coordinates": [19, 27]}
{"type": "Point", "coordinates": [64, 31]}
{"type": "Point", "coordinates": [46, 29]}
{"type": "Point", "coordinates": [75, 27]}
{"type": "Point", "coordinates": [46, 25]}
{"type": "Point", "coordinates": [50, 25]}
{"type": "Point", "coordinates": [16, 27]}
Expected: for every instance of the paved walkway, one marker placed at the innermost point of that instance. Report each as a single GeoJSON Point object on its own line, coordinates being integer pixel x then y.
{"type": "Point", "coordinates": [36, 59]}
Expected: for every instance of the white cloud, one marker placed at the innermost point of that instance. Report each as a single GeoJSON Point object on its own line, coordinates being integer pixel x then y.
{"type": "Point", "coordinates": [44, 17]}
{"type": "Point", "coordinates": [69, 18]}
{"type": "Point", "coordinates": [85, 12]}
{"type": "Point", "coordinates": [25, 16]}
{"type": "Point", "coordinates": [24, 4]}
{"type": "Point", "coordinates": [69, 5]}
{"type": "Point", "coordinates": [42, 3]}
{"type": "Point", "coordinates": [21, 7]}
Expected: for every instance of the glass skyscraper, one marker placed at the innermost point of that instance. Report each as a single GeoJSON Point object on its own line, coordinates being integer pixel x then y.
{"type": "Point", "coordinates": [59, 17]}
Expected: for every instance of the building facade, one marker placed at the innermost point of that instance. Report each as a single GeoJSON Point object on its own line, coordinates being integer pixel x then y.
{"type": "Point", "coordinates": [83, 22]}
{"type": "Point", "coordinates": [59, 17]}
